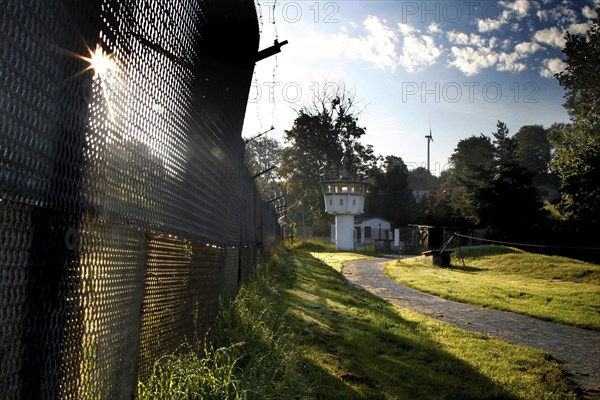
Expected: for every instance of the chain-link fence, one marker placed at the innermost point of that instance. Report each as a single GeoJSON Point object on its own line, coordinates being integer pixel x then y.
{"type": "Point", "coordinates": [125, 207]}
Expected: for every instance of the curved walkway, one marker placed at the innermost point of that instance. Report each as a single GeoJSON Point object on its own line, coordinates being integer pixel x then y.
{"type": "Point", "coordinates": [578, 349]}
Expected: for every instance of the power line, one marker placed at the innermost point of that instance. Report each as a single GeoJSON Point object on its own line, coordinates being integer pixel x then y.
{"type": "Point", "coordinates": [527, 244]}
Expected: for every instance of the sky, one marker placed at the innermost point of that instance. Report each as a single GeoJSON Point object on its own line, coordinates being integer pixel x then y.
{"type": "Point", "coordinates": [455, 66]}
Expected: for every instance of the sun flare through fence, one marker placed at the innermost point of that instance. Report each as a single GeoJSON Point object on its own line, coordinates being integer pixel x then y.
{"type": "Point", "coordinates": [126, 211]}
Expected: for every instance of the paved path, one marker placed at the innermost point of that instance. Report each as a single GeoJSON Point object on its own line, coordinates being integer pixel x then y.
{"type": "Point", "coordinates": [578, 349]}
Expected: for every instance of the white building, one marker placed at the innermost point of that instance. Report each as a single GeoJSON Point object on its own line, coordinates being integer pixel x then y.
{"type": "Point", "coordinates": [371, 229]}
{"type": "Point", "coordinates": [367, 231]}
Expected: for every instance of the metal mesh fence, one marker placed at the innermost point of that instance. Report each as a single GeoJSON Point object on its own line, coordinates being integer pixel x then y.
{"type": "Point", "coordinates": [125, 207]}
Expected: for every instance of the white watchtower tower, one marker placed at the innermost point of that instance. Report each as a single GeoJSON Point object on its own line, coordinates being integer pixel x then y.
{"type": "Point", "coordinates": [344, 197]}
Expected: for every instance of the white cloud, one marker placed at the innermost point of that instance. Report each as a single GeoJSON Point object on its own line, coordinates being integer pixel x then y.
{"type": "Point", "coordinates": [376, 46]}
{"type": "Point", "coordinates": [478, 40]}
{"type": "Point", "coordinates": [434, 28]}
{"type": "Point", "coordinates": [519, 7]}
{"type": "Point", "coordinates": [513, 62]}
{"type": "Point", "coordinates": [457, 37]}
{"type": "Point", "coordinates": [564, 15]}
{"type": "Point", "coordinates": [510, 62]}
{"type": "Point", "coordinates": [578, 28]}
{"type": "Point", "coordinates": [512, 9]}
{"type": "Point", "coordinates": [476, 56]}
{"type": "Point", "coordinates": [489, 24]}
{"type": "Point", "coordinates": [471, 60]}
{"type": "Point", "coordinates": [588, 12]}
{"type": "Point", "coordinates": [472, 39]}
{"type": "Point", "coordinates": [406, 29]}
{"type": "Point", "coordinates": [552, 66]}
{"type": "Point", "coordinates": [526, 48]}
{"type": "Point", "coordinates": [380, 44]}
{"type": "Point", "coordinates": [419, 52]}
{"type": "Point", "coordinates": [478, 53]}
{"type": "Point", "coordinates": [543, 15]}
{"type": "Point", "coordinates": [551, 36]}
{"type": "Point", "coordinates": [385, 47]}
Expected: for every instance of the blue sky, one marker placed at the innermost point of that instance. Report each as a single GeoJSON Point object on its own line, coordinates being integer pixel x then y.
{"type": "Point", "coordinates": [464, 65]}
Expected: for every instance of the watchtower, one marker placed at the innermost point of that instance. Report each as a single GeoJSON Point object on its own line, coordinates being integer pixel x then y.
{"type": "Point", "coordinates": [344, 194]}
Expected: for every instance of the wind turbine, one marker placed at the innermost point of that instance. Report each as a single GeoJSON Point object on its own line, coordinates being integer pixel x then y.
{"type": "Point", "coordinates": [429, 140]}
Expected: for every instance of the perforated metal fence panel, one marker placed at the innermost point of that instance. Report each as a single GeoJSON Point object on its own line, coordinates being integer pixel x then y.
{"type": "Point", "coordinates": [126, 211]}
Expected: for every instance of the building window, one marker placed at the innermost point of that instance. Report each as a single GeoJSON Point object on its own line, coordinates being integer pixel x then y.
{"type": "Point", "coordinates": [367, 232]}
{"type": "Point", "coordinates": [341, 202]}
{"type": "Point", "coordinates": [330, 202]}
{"type": "Point", "coordinates": [354, 202]}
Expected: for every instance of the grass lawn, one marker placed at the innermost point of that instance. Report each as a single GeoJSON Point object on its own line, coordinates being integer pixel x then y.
{"type": "Point", "coordinates": [357, 346]}
{"type": "Point", "coordinates": [299, 331]}
{"type": "Point", "coordinates": [547, 287]}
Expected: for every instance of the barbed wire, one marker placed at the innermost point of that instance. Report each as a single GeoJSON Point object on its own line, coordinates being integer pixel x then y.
{"type": "Point", "coordinates": [274, 107]}
{"type": "Point", "coordinates": [257, 103]}
{"type": "Point", "coordinates": [258, 7]}
{"type": "Point", "coordinates": [274, 21]}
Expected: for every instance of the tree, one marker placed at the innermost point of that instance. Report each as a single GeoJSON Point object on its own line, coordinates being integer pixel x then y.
{"type": "Point", "coordinates": [504, 197]}
{"type": "Point", "coordinates": [470, 165]}
{"type": "Point", "coordinates": [421, 179]}
{"type": "Point", "coordinates": [505, 148]}
{"type": "Point", "coordinates": [577, 148]}
{"type": "Point", "coordinates": [262, 153]}
{"type": "Point", "coordinates": [390, 195]}
{"type": "Point", "coordinates": [470, 157]}
{"type": "Point", "coordinates": [322, 133]}
{"type": "Point", "coordinates": [533, 148]}
{"type": "Point", "coordinates": [534, 152]}
{"type": "Point", "coordinates": [448, 207]}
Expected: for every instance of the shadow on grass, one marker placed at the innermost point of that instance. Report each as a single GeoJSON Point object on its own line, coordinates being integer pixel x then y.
{"type": "Point", "coordinates": [357, 346]}
{"type": "Point", "coordinates": [465, 268]}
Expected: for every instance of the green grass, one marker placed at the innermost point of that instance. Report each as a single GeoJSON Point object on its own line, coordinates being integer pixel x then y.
{"type": "Point", "coordinates": [193, 374]}
{"type": "Point", "coordinates": [360, 347]}
{"type": "Point", "coordinates": [336, 260]}
{"type": "Point", "coordinates": [311, 245]}
{"type": "Point", "coordinates": [299, 331]}
{"type": "Point", "coordinates": [314, 246]}
{"type": "Point", "coordinates": [552, 288]}
{"type": "Point", "coordinates": [251, 356]}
